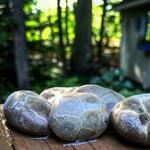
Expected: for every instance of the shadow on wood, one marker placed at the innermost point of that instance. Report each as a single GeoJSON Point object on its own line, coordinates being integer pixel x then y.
{"type": "Point", "coordinates": [13, 140]}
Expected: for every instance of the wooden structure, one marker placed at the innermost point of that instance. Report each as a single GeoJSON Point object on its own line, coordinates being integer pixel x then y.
{"type": "Point", "coordinates": [13, 140]}
{"type": "Point", "coordinates": [135, 46]}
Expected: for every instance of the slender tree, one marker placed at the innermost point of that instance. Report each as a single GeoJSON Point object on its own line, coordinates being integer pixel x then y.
{"type": "Point", "coordinates": [66, 22]}
{"type": "Point", "coordinates": [52, 38]}
{"type": "Point", "coordinates": [82, 53]}
{"type": "Point", "coordinates": [100, 43]}
{"type": "Point", "coordinates": [39, 27]}
{"type": "Point", "coordinates": [20, 44]}
{"type": "Point", "coordinates": [61, 42]}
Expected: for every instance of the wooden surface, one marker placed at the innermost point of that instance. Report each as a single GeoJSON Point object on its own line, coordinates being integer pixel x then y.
{"type": "Point", "coordinates": [13, 140]}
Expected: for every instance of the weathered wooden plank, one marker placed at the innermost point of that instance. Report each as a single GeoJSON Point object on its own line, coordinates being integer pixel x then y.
{"type": "Point", "coordinates": [69, 148]}
{"type": "Point", "coordinates": [5, 138]}
{"type": "Point", "coordinates": [110, 140]}
{"type": "Point", "coordinates": [23, 142]}
{"type": "Point", "coordinates": [57, 144]}
{"type": "Point", "coordinates": [84, 146]}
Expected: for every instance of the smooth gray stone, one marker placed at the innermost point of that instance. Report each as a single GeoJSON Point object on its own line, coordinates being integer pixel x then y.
{"type": "Point", "coordinates": [78, 116]}
{"type": "Point", "coordinates": [131, 118]}
{"type": "Point", "coordinates": [28, 112]}
{"type": "Point", "coordinates": [109, 96]}
{"type": "Point", "coordinates": [56, 91]}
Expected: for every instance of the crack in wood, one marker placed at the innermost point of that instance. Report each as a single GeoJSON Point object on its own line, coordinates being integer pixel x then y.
{"type": "Point", "coordinates": [74, 147]}
{"type": "Point", "coordinates": [13, 147]}
{"type": "Point", "coordinates": [6, 140]}
{"type": "Point", "coordinates": [91, 145]}
{"type": "Point", "coordinates": [47, 144]}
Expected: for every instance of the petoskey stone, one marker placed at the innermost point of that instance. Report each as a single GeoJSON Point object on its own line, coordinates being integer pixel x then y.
{"type": "Point", "coordinates": [131, 118]}
{"type": "Point", "coordinates": [109, 96]}
{"type": "Point", "coordinates": [28, 112]}
{"type": "Point", "coordinates": [78, 116]}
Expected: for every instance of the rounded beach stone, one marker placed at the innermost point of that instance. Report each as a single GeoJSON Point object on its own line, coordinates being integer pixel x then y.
{"type": "Point", "coordinates": [109, 96]}
{"type": "Point", "coordinates": [131, 118]}
{"type": "Point", "coordinates": [78, 116]}
{"type": "Point", "coordinates": [28, 112]}
{"type": "Point", "coordinates": [56, 91]}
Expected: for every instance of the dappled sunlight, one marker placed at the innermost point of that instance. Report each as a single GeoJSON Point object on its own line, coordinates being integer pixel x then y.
{"type": "Point", "coordinates": [138, 72]}
{"type": "Point", "coordinates": [44, 5]}
{"type": "Point", "coordinates": [68, 43]}
{"type": "Point", "coordinates": [97, 2]}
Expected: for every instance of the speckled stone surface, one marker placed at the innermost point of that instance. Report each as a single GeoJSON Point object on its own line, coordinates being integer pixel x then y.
{"type": "Point", "coordinates": [28, 112]}
{"type": "Point", "coordinates": [131, 118]}
{"type": "Point", "coordinates": [78, 116]}
{"type": "Point", "coordinates": [109, 96]}
{"type": "Point", "coordinates": [56, 91]}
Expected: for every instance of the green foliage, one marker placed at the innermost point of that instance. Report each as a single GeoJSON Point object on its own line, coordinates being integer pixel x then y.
{"type": "Point", "coordinates": [128, 93]}
{"type": "Point", "coordinates": [44, 55]}
{"type": "Point", "coordinates": [59, 81]}
{"type": "Point", "coordinates": [116, 80]}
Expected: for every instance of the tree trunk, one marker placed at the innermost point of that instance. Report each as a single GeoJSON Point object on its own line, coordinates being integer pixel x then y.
{"type": "Point", "coordinates": [82, 53]}
{"type": "Point", "coordinates": [107, 39]}
{"type": "Point", "coordinates": [66, 22]}
{"type": "Point", "coordinates": [20, 45]}
{"type": "Point", "coordinates": [61, 43]}
{"type": "Point", "coordinates": [40, 29]}
{"type": "Point", "coordinates": [52, 38]}
{"type": "Point", "coordinates": [100, 43]}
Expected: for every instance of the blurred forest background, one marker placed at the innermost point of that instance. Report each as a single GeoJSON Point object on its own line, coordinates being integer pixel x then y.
{"type": "Point", "coordinates": [47, 43]}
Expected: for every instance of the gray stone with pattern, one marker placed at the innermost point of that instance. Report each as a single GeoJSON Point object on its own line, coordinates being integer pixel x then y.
{"type": "Point", "coordinates": [131, 118]}
{"type": "Point", "coordinates": [78, 116]}
{"type": "Point", "coordinates": [28, 112]}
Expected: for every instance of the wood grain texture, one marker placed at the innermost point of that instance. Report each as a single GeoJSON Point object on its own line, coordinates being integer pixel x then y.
{"type": "Point", "coordinates": [5, 138]}
{"type": "Point", "coordinates": [110, 140]}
